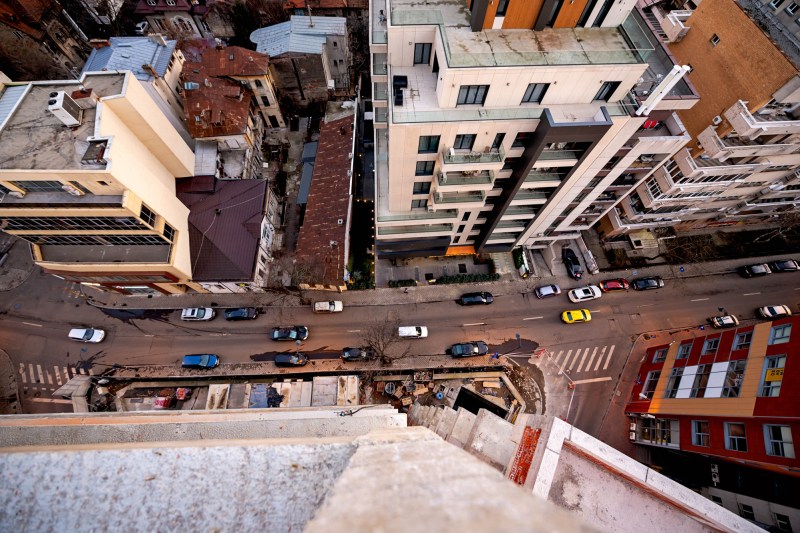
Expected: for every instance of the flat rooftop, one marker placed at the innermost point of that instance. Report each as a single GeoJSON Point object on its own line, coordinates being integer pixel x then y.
{"type": "Point", "coordinates": [105, 254]}
{"type": "Point", "coordinates": [564, 46]}
{"type": "Point", "coordinates": [33, 138]}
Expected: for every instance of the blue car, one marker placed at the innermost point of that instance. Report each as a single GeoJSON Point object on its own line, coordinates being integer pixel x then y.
{"type": "Point", "coordinates": [205, 360]}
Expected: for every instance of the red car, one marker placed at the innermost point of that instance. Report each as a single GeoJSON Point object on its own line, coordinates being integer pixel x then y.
{"type": "Point", "coordinates": [611, 285]}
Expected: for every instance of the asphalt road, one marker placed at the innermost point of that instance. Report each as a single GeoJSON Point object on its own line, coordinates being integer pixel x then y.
{"type": "Point", "coordinates": [37, 316]}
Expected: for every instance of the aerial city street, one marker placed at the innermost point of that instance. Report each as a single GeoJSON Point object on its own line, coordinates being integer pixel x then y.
{"type": "Point", "coordinates": [317, 246]}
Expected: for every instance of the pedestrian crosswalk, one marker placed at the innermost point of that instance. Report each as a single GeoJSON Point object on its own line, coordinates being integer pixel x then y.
{"type": "Point", "coordinates": [595, 359]}
{"type": "Point", "coordinates": [38, 377]}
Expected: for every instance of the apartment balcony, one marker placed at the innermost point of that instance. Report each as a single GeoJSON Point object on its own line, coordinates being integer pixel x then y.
{"type": "Point", "coordinates": [501, 239]}
{"type": "Point", "coordinates": [416, 230]}
{"type": "Point", "coordinates": [415, 217]}
{"type": "Point", "coordinates": [529, 198]}
{"type": "Point", "coordinates": [69, 256]}
{"type": "Point", "coordinates": [673, 24]}
{"type": "Point", "coordinates": [468, 200]}
{"type": "Point", "coordinates": [722, 149]}
{"type": "Point", "coordinates": [519, 213]}
{"type": "Point", "coordinates": [381, 117]}
{"type": "Point", "coordinates": [467, 161]}
{"type": "Point", "coordinates": [378, 24]}
{"type": "Point", "coordinates": [537, 179]}
{"type": "Point", "coordinates": [694, 168]}
{"type": "Point", "coordinates": [60, 200]}
{"type": "Point", "coordinates": [480, 180]}
{"type": "Point", "coordinates": [509, 226]}
{"type": "Point", "coordinates": [768, 122]}
{"type": "Point", "coordinates": [381, 92]}
{"type": "Point", "coordinates": [379, 62]}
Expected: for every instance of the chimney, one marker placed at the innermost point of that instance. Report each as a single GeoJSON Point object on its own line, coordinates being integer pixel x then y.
{"type": "Point", "coordinates": [97, 44]}
{"type": "Point", "coordinates": [85, 98]}
{"type": "Point", "coordinates": [147, 67]}
{"type": "Point", "coordinates": [158, 39]}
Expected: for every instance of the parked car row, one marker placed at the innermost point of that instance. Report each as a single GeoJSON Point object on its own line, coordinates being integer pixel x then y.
{"type": "Point", "coordinates": [762, 269]}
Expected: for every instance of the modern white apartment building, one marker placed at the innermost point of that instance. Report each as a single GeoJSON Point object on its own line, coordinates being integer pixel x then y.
{"type": "Point", "coordinates": [510, 123]}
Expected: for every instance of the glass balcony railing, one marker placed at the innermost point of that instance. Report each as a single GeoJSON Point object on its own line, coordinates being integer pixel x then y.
{"type": "Point", "coordinates": [543, 176]}
{"type": "Point", "coordinates": [511, 211]}
{"type": "Point", "coordinates": [426, 228]}
{"type": "Point", "coordinates": [381, 91]}
{"type": "Point", "coordinates": [459, 198]}
{"type": "Point", "coordinates": [530, 196]}
{"type": "Point", "coordinates": [560, 154]}
{"type": "Point", "coordinates": [421, 215]}
{"type": "Point", "coordinates": [381, 114]}
{"type": "Point", "coordinates": [380, 37]}
{"type": "Point", "coordinates": [458, 178]}
{"type": "Point", "coordinates": [379, 64]}
{"type": "Point", "coordinates": [451, 157]}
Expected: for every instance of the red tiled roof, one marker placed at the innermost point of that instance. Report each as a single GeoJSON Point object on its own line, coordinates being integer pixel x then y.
{"type": "Point", "coordinates": [224, 227]}
{"type": "Point", "coordinates": [144, 8]}
{"type": "Point", "coordinates": [321, 240]}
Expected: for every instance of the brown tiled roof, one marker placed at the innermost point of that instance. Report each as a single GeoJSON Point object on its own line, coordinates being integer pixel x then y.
{"type": "Point", "coordinates": [26, 15]}
{"type": "Point", "coordinates": [235, 61]}
{"type": "Point", "coordinates": [143, 8]}
{"type": "Point", "coordinates": [328, 202]}
{"type": "Point", "coordinates": [326, 4]}
{"type": "Point", "coordinates": [224, 227]}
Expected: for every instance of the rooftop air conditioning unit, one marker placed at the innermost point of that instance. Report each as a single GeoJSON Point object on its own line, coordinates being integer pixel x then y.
{"type": "Point", "coordinates": [64, 108]}
{"type": "Point", "coordinates": [72, 190]}
{"type": "Point", "coordinates": [716, 120]}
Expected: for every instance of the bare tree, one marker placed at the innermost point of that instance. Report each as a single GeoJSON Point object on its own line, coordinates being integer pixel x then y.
{"type": "Point", "coordinates": [380, 336]}
{"type": "Point", "coordinates": [788, 224]}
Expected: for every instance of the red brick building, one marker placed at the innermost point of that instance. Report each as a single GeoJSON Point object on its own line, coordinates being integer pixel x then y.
{"type": "Point", "coordinates": [732, 394]}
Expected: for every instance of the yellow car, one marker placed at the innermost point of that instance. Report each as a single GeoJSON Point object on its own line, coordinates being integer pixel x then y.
{"type": "Point", "coordinates": [576, 315]}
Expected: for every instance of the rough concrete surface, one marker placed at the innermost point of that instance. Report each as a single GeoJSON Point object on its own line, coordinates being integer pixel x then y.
{"type": "Point", "coordinates": [490, 439]}
{"type": "Point", "coordinates": [462, 428]}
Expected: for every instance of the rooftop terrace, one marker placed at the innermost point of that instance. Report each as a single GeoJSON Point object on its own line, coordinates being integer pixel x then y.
{"type": "Point", "coordinates": [33, 138]}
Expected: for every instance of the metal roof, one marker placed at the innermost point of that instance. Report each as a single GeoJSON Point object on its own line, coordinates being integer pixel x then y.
{"type": "Point", "coordinates": [131, 53]}
{"type": "Point", "coordinates": [300, 35]}
{"type": "Point", "coordinates": [9, 100]}
{"type": "Point", "coordinates": [305, 183]}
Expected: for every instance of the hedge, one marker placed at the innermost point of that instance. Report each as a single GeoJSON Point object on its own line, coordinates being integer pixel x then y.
{"type": "Point", "coordinates": [466, 278]}
{"type": "Point", "coordinates": [402, 283]}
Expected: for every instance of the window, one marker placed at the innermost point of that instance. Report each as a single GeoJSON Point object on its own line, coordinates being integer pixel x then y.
{"type": "Point", "coordinates": [700, 381]}
{"type": "Point", "coordinates": [422, 187]}
{"type": "Point", "coordinates": [735, 438]}
{"type": "Point", "coordinates": [660, 355]}
{"type": "Point", "coordinates": [497, 143]}
{"type": "Point", "coordinates": [700, 433]}
{"type": "Point", "coordinates": [39, 186]}
{"type": "Point", "coordinates": [746, 511]}
{"type": "Point", "coordinates": [335, 44]}
{"type": "Point", "coordinates": [521, 138]}
{"type": "Point", "coordinates": [534, 93]}
{"type": "Point", "coordinates": [464, 142]}
{"type": "Point", "coordinates": [419, 203]}
{"type": "Point", "coordinates": [606, 90]}
{"type": "Point", "coordinates": [650, 384]}
{"type": "Point", "coordinates": [672, 383]}
{"type": "Point", "coordinates": [775, 4]}
{"type": "Point", "coordinates": [684, 350]}
{"type": "Point", "coordinates": [461, 229]}
{"type": "Point", "coordinates": [733, 379]}
{"type": "Point", "coordinates": [502, 5]}
{"type": "Point", "coordinates": [772, 376]}
{"type": "Point", "coordinates": [780, 334]}
{"type": "Point", "coordinates": [783, 522]}
{"type": "Point", "coordinates": [428, 144]}
{"type": "Point", "coordinates": [778, 440]}
{"type": "Point", "coordinates": [104, 183]}
{"type": "Point", "coordinates": [422, 53]}
{"type": "Point", "coordinates": [511, 163]}
{"type": "Point", "coordinates": [742, 340]}
{"type": "Point", "coordinates": [465, 217]}
{"type": "Point", "coordinates": [169, 232]}
{"type": "Point", "coordinates": [710, 346]}
{"type": "Point", "coordinates": [472, 94]}
{"type": "Point", "coordinates": [424, 168]}
{"type": "Point", "coordinates": [717, 500]}
{"type": "Point", "coordinates": [791, 9]}
{"type": "Point", "coordinates": [714, 40]}
{"type": "Point", "coordinates": [258, 83]}
{"type": "Point", "coordinates": [147, 216]}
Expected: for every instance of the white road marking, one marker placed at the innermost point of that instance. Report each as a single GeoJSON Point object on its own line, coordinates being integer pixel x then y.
{"type": "Point", "coordinates": [593, 380]}
{"type": "Point", "coordinates": [50, 400]}
{"type": "Point", "coordinates": [577, 354]}
{"type": "Point", "coordinates": [608, 359]}
{"type": "Point", "coordinates": [533, 318]}
{"type": "Point", "coordinates": [353, 331]}
{"type": "Point", "coordinates": [49, 377]}
{"type": "Point", "coordinates": [580, 366]}
{"type": "Point", "coordinates": [566, 360]}
{"type": "Point", "coordinates": [600, 359]}
{"type": "Point", "coordinates": [750, 293]}
{"type": "Point", "coordinates": [41, 374]}
{"type": "Point", "coordinates": [91, 371]}
{"type": "Point", "coordinates": [558, 357]}
{"type": "Point", "coordinates": [22, 375]}
{"type": "Point", "coordinates": [646, 305]}
{"type": "Point", "coordinates": [517, 364]}
{"type": "Point", "coordinates": [474, 324]}
{"type": "Point", "coordinates": [32, 373]}
{"type": "Point", "coordinates": [58, 375]}
{"type": "Point", "coordinates": [699, 300]}
{"type": "Point", "coordinates": [589, 364]}
{"type": "Point", "coordinates": [32, 324]}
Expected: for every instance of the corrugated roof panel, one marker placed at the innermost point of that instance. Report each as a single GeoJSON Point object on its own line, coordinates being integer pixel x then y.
{"type": "Point", "coordinates": [305, 183]}
{"type": "Point", "coordinates": [9, 100]}
{"type": "Point", "coordinates": [318, 25]}
{"type": "Point", "coordinates": [297, 35]}
{"type": "Point", "coordinates": [130, 53]}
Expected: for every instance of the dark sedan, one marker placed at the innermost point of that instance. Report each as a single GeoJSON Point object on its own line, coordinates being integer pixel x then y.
{"type": "Point", "coordinates": [468, 349]}
{"type": "Point", "coordinates": [572, 263]}
{"type": "Point", "coordinates": [476, 298]}
{"type": "Point", "coordinates": [242, 313]}
{"type": "Point", "coordinates": [784, 265]}
{"type": "Point", "coordinates": [357, 354]}
{"type": "Point", "coordinates": [289, 333]}
{"type": "Point", "coordinates": [291, 359]}
{"type": "Point", "coordinates": [644, 284]}
{"type": "Point", "coordinates": [749, 271]}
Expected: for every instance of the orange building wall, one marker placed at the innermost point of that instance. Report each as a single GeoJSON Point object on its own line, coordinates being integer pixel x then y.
{"type": "Point", "coordinates": [521, 14]}
{"type": "Point", "coordinates": [569, 14]}
{"type": "Point", "coordinates": [745, 65]}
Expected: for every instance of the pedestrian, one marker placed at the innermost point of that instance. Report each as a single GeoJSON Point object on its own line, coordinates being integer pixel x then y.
{"type": "Point", "coordinates": [405, 290]}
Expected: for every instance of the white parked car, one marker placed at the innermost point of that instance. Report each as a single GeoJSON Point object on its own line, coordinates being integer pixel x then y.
{"type": "Point", "coordinates": [87, 334]}
{"type": "Point", "coordinates": [198, 313]}
{"type": "Point", "coordinates": [774, 311]}
{"type": "Point", "coordinates": [582, 294]}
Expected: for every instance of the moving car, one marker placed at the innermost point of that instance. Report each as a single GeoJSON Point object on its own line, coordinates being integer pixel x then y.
{"type": "Point", "coordinates": [576, 315]}
{"type": "Point", "coordinates": [582, 294]}
{"type": "Point", "coordinates": [412, 332]}
{"type": "Point", "coordinates": [784, 265]}
{"type": "Point", "coordinates": [724, 321]}
{"type": "Point", "coordinates": [289, 333]}
{"type": "Point", "coordinates": [204, 360]}
{"type": "Point", "coordinates": [618, 284]}
{"type": "Point", "coordinates": [198, 313]}
{"type": "Point", "coordinates": [774, 311]}
{"type": "Point", "coordinates": [141, 27]}
{"type": "Point", "coordinates": [749, 271]}
{"type": "Point", "coordinates": [242, 313]}
{"type": "Point", "coordinates": [572, 263]}
{"type": "Point", "coordinates": [468, 349]}
{"type": "Point", "coordinates": [546, 291]}
{"type": "Point", "coordinates": [332, 306]}
{"type": "Point", "coordinates": [357, 354]}
{"type": "Point", "coordinates": [476, 298]}
{"type": "Point", "coordinates": [87, 334]}
{"type": "Point", "coordinates": [291, 359]}
{"type": "Point", "coordinates": [644, 284]}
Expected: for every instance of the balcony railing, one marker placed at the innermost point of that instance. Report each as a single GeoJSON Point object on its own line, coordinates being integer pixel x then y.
{"type": "Point", "coordinates": [381, 114]}
{"type": "Point", "coordinates": [452, 157]}
{"type": "Point", "coordinates": [459, 198]}
{"type": "Point", "coordinates": [543, 176]}
{"type": "Point", "coordinates": [420, 215]}
{"type": "Point", "coordinates": [485, 177]}
{"type": "Point", "coordinates": [427, 228]}
{"type": "Point", "coordinates": [381, 91]}
{"type": "Point", "coordinates": [560, 154]}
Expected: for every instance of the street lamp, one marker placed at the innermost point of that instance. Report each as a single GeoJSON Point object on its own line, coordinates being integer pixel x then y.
{"type": "Point", "coordinates": [519, 341]}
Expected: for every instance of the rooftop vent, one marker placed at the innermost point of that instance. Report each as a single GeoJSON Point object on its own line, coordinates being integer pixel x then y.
{"type": "Point", "coordinates": [65, 109]}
